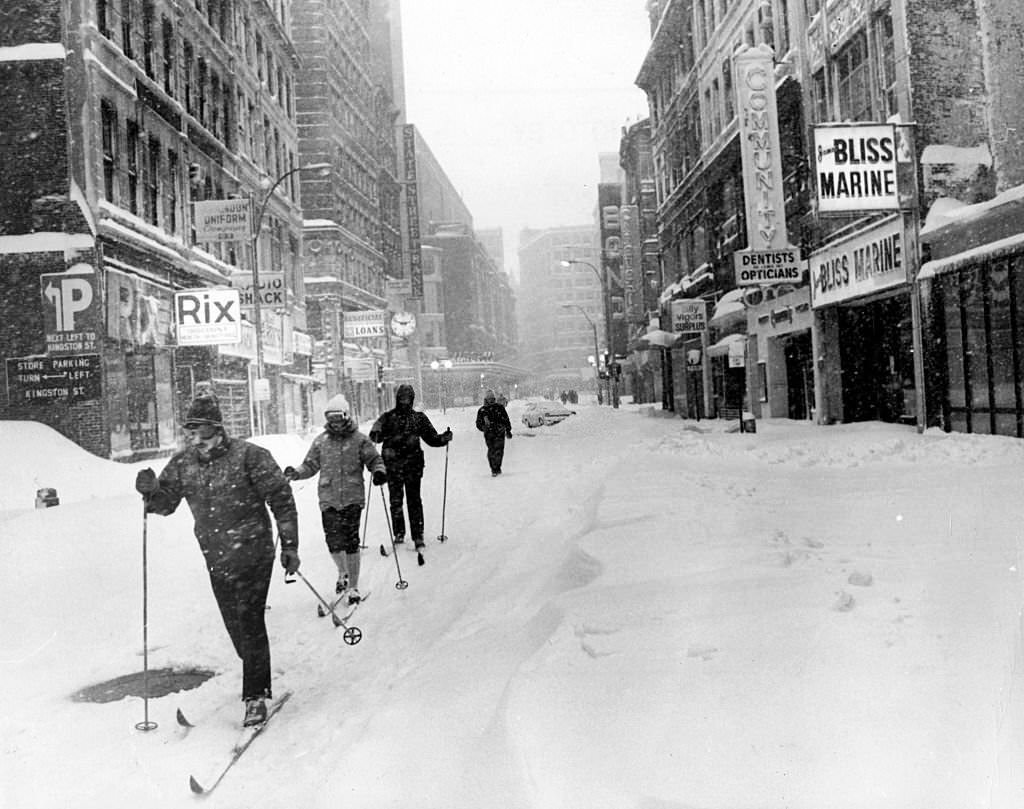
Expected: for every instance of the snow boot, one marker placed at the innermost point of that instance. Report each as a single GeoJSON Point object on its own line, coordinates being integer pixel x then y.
{"type": "Point", "coordinates": [399, 539]}
{"type": "Point", "coordinates": [255, 712]}
{"type": "Point", "coordinates": [353, 596]}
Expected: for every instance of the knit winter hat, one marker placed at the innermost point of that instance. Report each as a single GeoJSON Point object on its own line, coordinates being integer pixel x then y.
{"type": "Point", "coordinates": [337, 404]}
{"type": "Point", "coordinates": [489, 395]}
{"type": "Point", "coordinates": [204, 410]}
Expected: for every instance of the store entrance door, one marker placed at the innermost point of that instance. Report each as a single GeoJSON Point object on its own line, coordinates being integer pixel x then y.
{"type": "Point", "coordinates": [799, 376]}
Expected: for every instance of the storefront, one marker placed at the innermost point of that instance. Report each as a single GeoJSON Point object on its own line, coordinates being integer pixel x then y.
{"type": "Point", "coordinates": [781, 365]}
{"type": "Point", "coordinates": [972, 294]}
{"type": "Point", "coordinates": [863, 338]}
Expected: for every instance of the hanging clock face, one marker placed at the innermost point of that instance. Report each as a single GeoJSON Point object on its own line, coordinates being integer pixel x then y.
{"type": "Point", "coordinates": [403, 324]}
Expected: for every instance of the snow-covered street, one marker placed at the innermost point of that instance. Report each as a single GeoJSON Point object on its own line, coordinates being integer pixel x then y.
{"type": "Point", "coordinates": [640, 612]}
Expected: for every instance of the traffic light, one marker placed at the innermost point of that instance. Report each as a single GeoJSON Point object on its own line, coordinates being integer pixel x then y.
{"type": "Point", "coordinates": [380, 370]}
{"type": "Point", "coordinates": [195, 174]}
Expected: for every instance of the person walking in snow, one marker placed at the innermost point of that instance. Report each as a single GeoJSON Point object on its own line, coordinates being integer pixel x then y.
{"type": "Point", "coordinates": [400, 430]}
{"type": "Point", "coordinates": [339, 454]}
{"type": "Point", "coordinates": [492, 421]}
{"type": "Point", "coordinates": [228, 484]}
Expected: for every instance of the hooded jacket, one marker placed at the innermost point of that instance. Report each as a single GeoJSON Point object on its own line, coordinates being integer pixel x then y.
{"type": "Point", "coordinates": [492, 419]}
{"type": "Point", "coordinates": [228, 494]}
{"type": "Point", "coordinates": [340, 459]}
{"type": "Point", "coordinates": [399, 430]}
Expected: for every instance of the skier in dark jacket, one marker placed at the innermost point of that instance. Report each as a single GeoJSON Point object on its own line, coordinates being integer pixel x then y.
{"type": "Point", "coordinates": [339, 454]}
{"type": "Point", "coordinates": [492, 421]}
{"type": "Point", "coordinates": [399, 430]}
{"type": "Point", "coordinates": [228, 484]}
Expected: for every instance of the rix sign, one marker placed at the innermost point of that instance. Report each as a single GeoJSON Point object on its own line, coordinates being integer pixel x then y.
{"type": "Point", "coordinates": [207, 317]}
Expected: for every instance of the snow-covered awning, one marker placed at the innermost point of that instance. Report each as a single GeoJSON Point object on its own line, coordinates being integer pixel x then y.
{"type": "Point", "coordinates": [721, 348]}
{"type": "Point", "coordinates": [992, 250]}
{"type": "Point", "coordinates": [659, 337]}
{"type": "Point", "coordinates": [729, 309]}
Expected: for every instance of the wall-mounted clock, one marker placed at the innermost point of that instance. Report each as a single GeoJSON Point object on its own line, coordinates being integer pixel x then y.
{"type": "Point", "coordinates": [403, 324]}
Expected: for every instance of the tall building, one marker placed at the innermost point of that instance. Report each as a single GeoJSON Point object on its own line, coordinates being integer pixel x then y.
{"type": "Point", "coordinates": [561, 306]}
{"type": "Point", "coordinates": [118, 118]}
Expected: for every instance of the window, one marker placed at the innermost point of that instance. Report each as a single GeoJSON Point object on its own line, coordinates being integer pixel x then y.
{"type": "Point", "coordinates": [152, 182]}
{"type": "Point", "coordinates": [189, 106]}
{"type": "Point", "coordinates": [126, 27]}
{"type": "Point", "coordinates": [853, 80]}
{"type": "Point", "coordinates": [171, 193]}
{"type": "Point", "coordinates": [201, 92]}
{"type": "Point", "coordinates": [108, 125]}
{"type": "Point", "coordinates": [819, 95]}
{"type": "Point", "coordinates": [883, 33]}
{"type": "Point", "coordinates": [147, 38]}
{"type": "Point", "coordinates": [132, 153]}
{"type": "Point", "coordinates": [103, 18]}
{"type": "Point", "coordinates": [167, 35]}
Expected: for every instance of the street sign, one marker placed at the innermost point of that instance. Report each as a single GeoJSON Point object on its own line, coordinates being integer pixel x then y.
{"type": "Point", "coordinates": [53, 379]}
{"type": "Point", "coordinates": [223, 220]}
{"type": "Point", "coordinates": [365, 323]}
{"type": "Point", "coordinates": [208, 316]}
{"type": "Point", "coordinates": [757, 267]}
{"type": "Point", "coordinates": [855, 166]}
{"type": "Point", "coordinates": [71, 311]}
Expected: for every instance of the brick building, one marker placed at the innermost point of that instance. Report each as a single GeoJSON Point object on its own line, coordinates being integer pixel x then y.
{"type": "Point", "coordinates": [116, 118]}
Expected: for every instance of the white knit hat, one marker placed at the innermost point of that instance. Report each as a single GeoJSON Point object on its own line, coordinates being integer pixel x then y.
{"type": "Point", "coordinates": [337, 404]}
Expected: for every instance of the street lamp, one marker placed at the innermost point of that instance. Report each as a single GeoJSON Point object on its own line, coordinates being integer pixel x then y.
{"type": "Point", "coordinates": [607, 300]}
{"type": "Point", "coordinates": [593, 326]}
{"type": "Point", "coordinates": [257, 314]}
{"type": "Point", "coordinates": [444, 365]}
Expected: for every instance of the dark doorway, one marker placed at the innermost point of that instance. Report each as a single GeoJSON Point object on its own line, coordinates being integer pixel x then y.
{"type": "Point", "coordinates": [799, 376]}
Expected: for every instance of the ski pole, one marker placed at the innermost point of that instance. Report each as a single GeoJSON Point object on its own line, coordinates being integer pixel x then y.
{"type": "Point", "coordinates": [366, 516]}
{"type": "Point", "coordinates": [401, 584]}
{"type": "Point", "coordinates": [352, 634]}
{"type": "Point", "coordinates": [145, 724]}
{"type": "Point", "coordinates": [443, 537]}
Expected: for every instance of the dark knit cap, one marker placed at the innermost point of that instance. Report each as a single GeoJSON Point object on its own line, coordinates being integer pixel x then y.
{"type": "Point", "coordinates": [204, 410]}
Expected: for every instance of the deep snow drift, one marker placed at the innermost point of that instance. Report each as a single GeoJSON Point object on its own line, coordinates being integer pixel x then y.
{"type": "Point", "coordinates": [641, 612]}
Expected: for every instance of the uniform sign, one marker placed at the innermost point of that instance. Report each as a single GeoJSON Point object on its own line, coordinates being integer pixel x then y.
{"type": "Point", "coordinates": [869, 261]}
{"type": "Point", "coordinates": [223, 220]}
{"type": "Point", "coordinates": [365, 323]}
{"type": "Point", "coordinates": [763, 267]}
{"type": "Point", "coordinates": [689, 316]}
{"type": "Point", "coordinates": [73, 378]}
{"type": "Point", "coordinates": [273, 292]}
{"type": "Point", "coordinates": [207, 316]}
{"type": "Point", "coordinates": [71, 312]}
{"type": "Point", "coordinates": [856, 167]}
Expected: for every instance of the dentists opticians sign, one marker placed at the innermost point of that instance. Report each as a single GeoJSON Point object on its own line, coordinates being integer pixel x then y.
{"type": "Point", "coordinates": [855, 167]}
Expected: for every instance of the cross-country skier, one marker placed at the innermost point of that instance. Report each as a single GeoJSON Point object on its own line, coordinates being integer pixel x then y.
{"type": "Point", "coordinates": [492, 421]}
{"type": "Point", "coordinates": [399, 430]}
{"type": "Point", "coordinates": [339, 454]}
{"type": "Point", "coordinates": [228, 484]}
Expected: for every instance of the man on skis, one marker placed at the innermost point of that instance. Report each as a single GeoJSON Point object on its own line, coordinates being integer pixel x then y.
{"type": "Point", "coordinates": [492, 421]}
{"type": "Point", "coordinates": [339, 454]}
{"type": "Point", "coordinates": [228, 484]}
{"type": "Point", "coordinates": [399, 430]}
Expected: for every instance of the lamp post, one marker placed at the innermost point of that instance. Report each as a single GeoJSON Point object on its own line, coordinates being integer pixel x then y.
{"type": "Point", "coordinates": [443, 365]}
{"type": "Point", "coordinates": [606, 299]}
{"type": "Point", "coordinates": [593, 326]}
{"type": "Point", "coordinates": [257, 314]}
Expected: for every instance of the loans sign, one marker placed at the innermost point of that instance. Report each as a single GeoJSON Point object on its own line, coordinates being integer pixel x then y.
{"type": "Point", "coordinates": [365, 323]}
{"type": "Point", "coordinates": [856, 167]}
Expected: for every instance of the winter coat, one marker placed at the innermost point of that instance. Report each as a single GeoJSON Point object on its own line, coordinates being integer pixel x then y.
{"type": "Point", "coordinates": [228, 493]}
{"type": "Point", "coordinates": [340, 460]}
{"type": "Point", "coordinates": [400, 430]}
{"type": "Point", "coordinates": [492, 420]}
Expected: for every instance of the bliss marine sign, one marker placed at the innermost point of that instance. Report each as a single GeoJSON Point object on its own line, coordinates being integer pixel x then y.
{"type": "Point", "coordinates": [769, 258]}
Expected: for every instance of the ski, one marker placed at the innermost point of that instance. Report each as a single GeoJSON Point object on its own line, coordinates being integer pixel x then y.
{"type": "Point", "coordinates": [180, 717]}
{"type": "Point", "coordinates": [248, 738]}
{"type": "Point", "coordinates": [323, 613]}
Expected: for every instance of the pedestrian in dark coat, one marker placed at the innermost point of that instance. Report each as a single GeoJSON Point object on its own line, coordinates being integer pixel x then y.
{"type": "Point", "coordinates": [228, 484]}
{"type": "Point", "coordinates": [400, 430]}
{"type": "Point", "coordinates": [339, 454]}
{"type": "Point", "coordinates": [492, 421]}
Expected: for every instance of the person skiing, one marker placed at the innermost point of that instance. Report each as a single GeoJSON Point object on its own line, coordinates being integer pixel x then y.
{"type": "Point", "coordinates": [228, 484]}
{"type": "Point", "coordinates": [339, 455]}
{"type": "Point", "coordinates": [399, 430]}
{"type": "Point", "coordinates": [492, 421]}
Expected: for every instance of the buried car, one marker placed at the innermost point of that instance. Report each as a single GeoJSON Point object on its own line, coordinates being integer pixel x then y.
{"type": "Point", "coordinates": [545, 412]}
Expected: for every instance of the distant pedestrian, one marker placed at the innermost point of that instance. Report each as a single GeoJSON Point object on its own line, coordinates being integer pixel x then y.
{"type": "Point", "coordinates": [339, 454]}
{"type": "Point", "coordinates": [492, 421]}
{"type": "Point", "coordinates": [399, 431]}
{"type": "Point", "coordinates": [502, 399]}
{"type": "Point", "coordinates": [228, 484]}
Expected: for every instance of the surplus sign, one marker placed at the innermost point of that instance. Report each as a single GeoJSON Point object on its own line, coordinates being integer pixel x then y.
{"type": "Point", "coordinates": [856, 167]}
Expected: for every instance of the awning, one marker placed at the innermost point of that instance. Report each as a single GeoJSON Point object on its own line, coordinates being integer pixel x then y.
{"type": "Point", "coordinates": [984, 252]}
{"type": "Point", "coordinates": [729, 309]}
{"type": "Point", "coordinates": [658, 337]}
{"type": "Point", "coordinates": [305, 379]}
{"type": "Point", "coordinates": [721, 348]}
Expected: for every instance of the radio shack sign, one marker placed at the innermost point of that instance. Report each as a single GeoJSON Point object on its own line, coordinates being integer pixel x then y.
{"type": "Point", "coordinates": [856, 167]}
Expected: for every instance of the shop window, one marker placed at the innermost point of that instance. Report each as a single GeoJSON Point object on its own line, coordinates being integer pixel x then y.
{"type": "Point", "coordinates": [762, 382]}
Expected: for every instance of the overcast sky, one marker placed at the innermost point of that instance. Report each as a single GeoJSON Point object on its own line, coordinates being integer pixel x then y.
{"type": "Point", "coordinates": [516, 100]}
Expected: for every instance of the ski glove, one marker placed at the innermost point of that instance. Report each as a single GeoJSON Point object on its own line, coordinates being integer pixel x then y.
{"type": "Point", "coordinates": [508, 435]}
{"type": "Point", "coordinates": [146, 482]}
{"type": "Point", "coordinates": [290, 474]}
{"type": "Point", "coordinates": [380, 477]}
{"type": "Point", "coordinates": [447, 435]}
{"type": "Point", "coordinates": [290, 560]}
